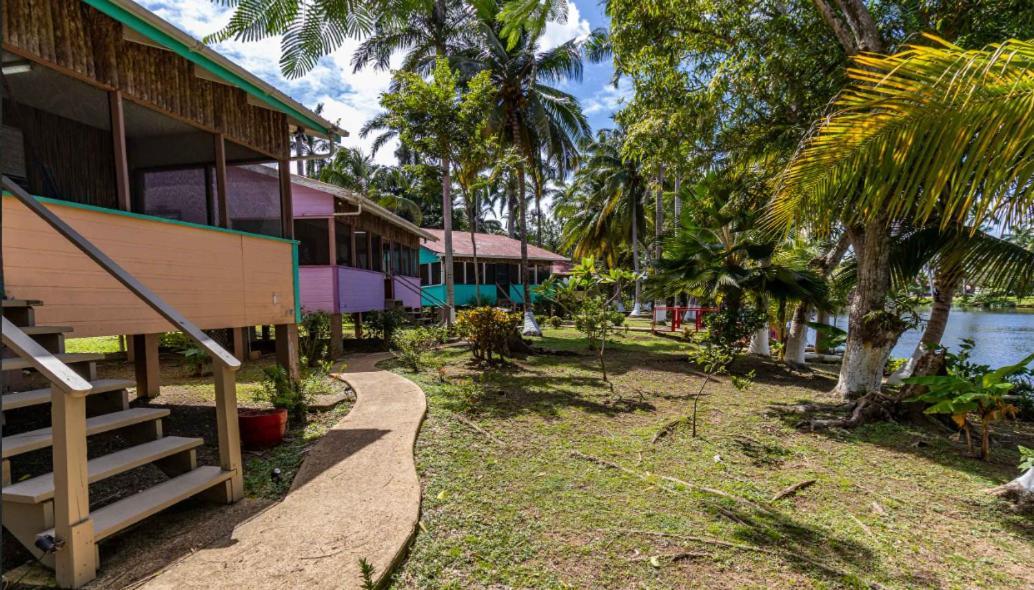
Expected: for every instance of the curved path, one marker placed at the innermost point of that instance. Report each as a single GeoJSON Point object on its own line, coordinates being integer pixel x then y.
{"type": "Point", "coordinates": [356, 496]}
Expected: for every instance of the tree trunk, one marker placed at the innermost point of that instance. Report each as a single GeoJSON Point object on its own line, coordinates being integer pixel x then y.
{"type": "Point", "coordinates": [870, 333]}
{"type": "Point", "coordinates": [538, 208]}
{"type": "Point", "coordinates": [944, 284]}
{"type": "Point", "coordinates": [531, 327]}
{"type": "Point", "coordinates": [474, 248]}
{"type": "Point", "coordinates": [450, 288]}
{"type": "Point", "coordinates": [637, 307]}
{"type": "Point", "coordinates": [658, 233]}
{"type": "Point", "coordinates": [759, 340]}
{"type": "Point", "coordinates": [821, 317]}
{"type": "Point", "coordinates": [678, 201]}
{"type": "Point", "coordinates": [797, 339]}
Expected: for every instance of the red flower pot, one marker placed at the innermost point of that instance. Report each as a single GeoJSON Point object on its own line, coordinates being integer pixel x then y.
{"type": "Point", "coordinates": [262, 428]}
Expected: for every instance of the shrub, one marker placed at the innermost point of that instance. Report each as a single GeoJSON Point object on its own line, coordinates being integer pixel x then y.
{"type": "Point", "coordinates": [383, 324]}
{"type": "Point", "coordinates": [726, 328]}
{"type": "Point", "coordinates": [489, 331]}
{"type": "Point", "coordinates": [439, 332]}
{"type": "Point", "coordinates": [314, 337]}
{"type": "Point", "coordinates": [283, 392]}
{"type": "Point", "coordinates": [410, 346]}
{"type": "Point", "coordinates": [555, 322]}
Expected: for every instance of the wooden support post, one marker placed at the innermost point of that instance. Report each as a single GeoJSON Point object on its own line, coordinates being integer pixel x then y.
{"type": "Point", "coordinates": [221, 197]}
{"type": "Point", "coordinates": [229, 431]}
{"type": "Point", "coordinates": [357, 318]}
{"type": "Point", "coordinates": [287, 349]}
{"type": "Point", "coordinates": [240, 348]}
{"type": "Point", "coordinates": [118, 137]}
{"type": "Point", "coordinates": [75, 563]}
{"type": "Point", "coordinates": [127, 341]}
{"type": "Point", "coordinates": [336, 337]}
{"type": "Point", "coordinates": [286, 204]}
{"type": "Point", "coordinates": [145, 351]}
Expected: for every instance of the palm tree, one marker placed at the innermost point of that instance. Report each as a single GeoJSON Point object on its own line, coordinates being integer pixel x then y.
{"type": "Point", "coordinates": [603, 210]}
{"type": "Point", "coordinates": [351, 169]}
{"type": "Point", "coordinates": [529, 113]}
{"type": "Point", "coordinates": [436, 28]}
{"type": "Point", "coordinates": [933, 131]}
{"type": "Point", "coordinates": [309, 145]}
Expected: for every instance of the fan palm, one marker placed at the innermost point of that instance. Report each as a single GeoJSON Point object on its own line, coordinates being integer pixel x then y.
{"type": "Point", "coordinates": [933, 131]}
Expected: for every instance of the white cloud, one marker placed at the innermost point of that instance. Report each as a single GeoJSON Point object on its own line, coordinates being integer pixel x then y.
{"type": "Point", "coordinates": [349, 98]}
{"type": "Point", "coordinates": [557, 33]}
{"type": "Point", "coordinates": [609, 98]}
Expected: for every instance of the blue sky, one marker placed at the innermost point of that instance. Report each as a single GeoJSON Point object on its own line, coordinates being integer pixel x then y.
{"type": "Point", "coordinates": [353, 98]}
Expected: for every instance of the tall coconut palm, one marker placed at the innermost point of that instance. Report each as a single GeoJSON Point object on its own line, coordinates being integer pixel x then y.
{"type": "Point", "coordinates": [435, 28]}
{"type": "Point", "coordinates": [932, 131]}
{"type": "Point", "coordinates": [603, 212]}
{"type": "Point", "coordinates": [307, 146]}
{"type": "Point", "coordinates": [350, 168]}
{"type": "Point", "coordinates": [527, 107]}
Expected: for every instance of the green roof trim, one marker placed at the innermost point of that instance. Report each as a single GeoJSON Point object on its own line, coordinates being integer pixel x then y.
{"type": "Point", "coordinates": [152, 32]}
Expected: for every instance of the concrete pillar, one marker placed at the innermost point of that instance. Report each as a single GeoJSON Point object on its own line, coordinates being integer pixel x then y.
{"type": "Point", "coordinates": [287, 349]}
{"type": "Point", "coordinates": [145, 361]}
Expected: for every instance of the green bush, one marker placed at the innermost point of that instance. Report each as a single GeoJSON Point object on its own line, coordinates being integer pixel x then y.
{"type": "Point", "coordinates": [489, 331]}
{"type": "Point", "coordinates": [411, 345]}
{"type": "Point", "coordinates": [314, 337]}
{"type": "Point", "coordinates": [383, 324]}
{"type": "Point", "coordinates": [283, 392]}
{"type": "Point", "coordinates": [596, 319]}
{"type": "Point", "coordinates": [555, 322]}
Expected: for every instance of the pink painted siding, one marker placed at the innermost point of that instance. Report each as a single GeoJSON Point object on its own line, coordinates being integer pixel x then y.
{"type": "Point", "coordinates": [317, 288]}
{"type": "Point", "coordinates": [360, 290]}
{"type": "Point", "coordinates": [309, 202]}
{"type": "Point", "coordinates": [410, 295]}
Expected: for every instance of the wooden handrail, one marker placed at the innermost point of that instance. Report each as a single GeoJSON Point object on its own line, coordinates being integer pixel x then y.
{"type": "Point", "coordinates": [44, 361]}
{"type": "Point", "coordinates": [219, 354]}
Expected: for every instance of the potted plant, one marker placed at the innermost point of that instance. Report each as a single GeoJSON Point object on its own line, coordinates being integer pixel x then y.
{"type": "Point", "coordinates": [263, 428]}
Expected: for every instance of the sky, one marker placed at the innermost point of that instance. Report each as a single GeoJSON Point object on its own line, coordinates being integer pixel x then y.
{"type": "Point", "coordinates": [353, 98]}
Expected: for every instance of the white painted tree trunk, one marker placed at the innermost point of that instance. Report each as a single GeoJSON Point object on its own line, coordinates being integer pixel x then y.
{"type": "Point", "coordinates": [759, 343]}
{"type": "Point", "coordinates": [637, 307]}
{"type": "Point", "coordinates": [942, 288]}
{"type": "Point", "coordinates": [1025, 481]}
{"type": "Point", "coordinates": [531, 327]}
{"type": "Point", "coordinates": [797, 338]}
{"type": "Point", "coordinates": [868, 345]}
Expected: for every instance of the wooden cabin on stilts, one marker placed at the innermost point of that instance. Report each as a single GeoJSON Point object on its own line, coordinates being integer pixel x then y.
{"type": "Point", "coordinates": [130, 209]}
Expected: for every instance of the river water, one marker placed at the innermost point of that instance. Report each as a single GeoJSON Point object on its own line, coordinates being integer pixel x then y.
{"type": "Point", "coordinates": [1002, 337]}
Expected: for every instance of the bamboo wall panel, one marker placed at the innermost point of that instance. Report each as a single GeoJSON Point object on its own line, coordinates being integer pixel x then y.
{"type": "Point", "coordinates": [73, 36]}
{"type": "Point", "coordinates": [216, 279]}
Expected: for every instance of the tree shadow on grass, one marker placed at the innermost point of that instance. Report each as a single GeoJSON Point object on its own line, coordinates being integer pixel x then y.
{"type": "Point", "coordinates": [512, 392]}
{"type": "Point", "coordinates": [924, 441]}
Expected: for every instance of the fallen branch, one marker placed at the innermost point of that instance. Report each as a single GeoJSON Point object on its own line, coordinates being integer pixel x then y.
{"type": "Point", "coordinates": [646, 477]}
{"type": "Point", "coordinates": [469, 424]}
{"type": "Point", "coordinates": [792, 490]}
{"type": "Point", "coordinates": [668, 428]}
{"type": "Point", "coordinates": [718, 542]}
{"type": "Point", "coordinates": [679, 556]}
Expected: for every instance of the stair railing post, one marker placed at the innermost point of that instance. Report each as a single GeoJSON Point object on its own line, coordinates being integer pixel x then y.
{"type": "Point", "coordinates": [228, 429]}
{"type": "Point", "coordinates": [75, 562]}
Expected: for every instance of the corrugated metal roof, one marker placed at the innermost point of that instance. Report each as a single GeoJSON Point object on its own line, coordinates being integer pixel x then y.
{"type": "Point", "coordinates": [489, 246]}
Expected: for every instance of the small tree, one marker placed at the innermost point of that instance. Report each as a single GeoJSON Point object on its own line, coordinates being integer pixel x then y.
{"type": "Point", "coordinates": [592, 292]}
{"type": "Point", "coordinates": [438, 118]}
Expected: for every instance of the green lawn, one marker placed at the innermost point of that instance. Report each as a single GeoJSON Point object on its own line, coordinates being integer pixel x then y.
{"type": "Point", "coordinates": [892, 505]}
{"type": "Point", "coordinates": [95, 344]}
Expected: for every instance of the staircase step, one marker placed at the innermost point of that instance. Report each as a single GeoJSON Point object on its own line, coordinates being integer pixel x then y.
{"type": "Point", "coordinates": [41, 330]}
{"type": "Point", "coordinates": [41, 396]}
{"type": "Point", "coordinates": [16, 444]}
{"type": "Point", "coordinates": [13, 364]}
{"type": "Point", "coordinates": [21, 302]}
{"type": "Point", "coordinates": [40, 489]}
{"type": "Point", "coordinates": [126, 512]}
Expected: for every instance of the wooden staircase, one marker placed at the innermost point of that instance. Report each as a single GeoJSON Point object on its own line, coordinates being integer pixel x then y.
{"type": "Point", "coordinates": [99, 406]}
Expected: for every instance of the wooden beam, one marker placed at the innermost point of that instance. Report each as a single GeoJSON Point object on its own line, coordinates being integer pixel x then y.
{"type": "Point", "coordinates": [332, 239]}
{"type": "Point", "coordinates": [286, 204]}
{"type": "Point", "coordinates": [204, 74]}
{"type": "Point", "coordinates": [145, 361]}
{"type": "Point", "coordinates": [221, 197]}
{"type": "Point", "coordinates": [134, 37]}
{"type": "Point", "coordinates": [76, 563]}
{"type": "Point", "coordinates": [118, 139]}
{"type": "Point", "coordinates": [287, 349]}
{"type": "Point", "coordinates": [228, 432]}
{"type": "Point", "coordinates": [240, 349]}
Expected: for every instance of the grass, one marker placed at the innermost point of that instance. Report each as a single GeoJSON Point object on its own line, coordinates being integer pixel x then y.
{"type": "Point", "coordinates": [98, 344]}
{"type": "Point", "coordinates": [892, 505]}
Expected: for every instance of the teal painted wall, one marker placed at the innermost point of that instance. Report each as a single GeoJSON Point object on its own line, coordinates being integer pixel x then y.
{"type": "Point", "coordinates": [427, 257]}
{"type": "Point", "coordinates": [466, 295]}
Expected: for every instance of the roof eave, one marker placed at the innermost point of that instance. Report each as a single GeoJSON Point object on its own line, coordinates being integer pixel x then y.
{"type": "Point", "coordinates": [164, 33]}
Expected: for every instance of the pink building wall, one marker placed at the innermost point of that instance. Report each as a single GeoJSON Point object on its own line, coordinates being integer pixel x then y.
{"type": "Point", "coordinates": [317, 288]}
{"type": "Point", "coordinates": [360, 290]}
{"type": "Point", "coordinates": [409, 295]}
{"type": "Point", "coordinates": [308, 202]}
